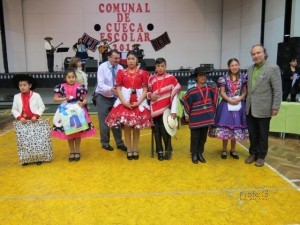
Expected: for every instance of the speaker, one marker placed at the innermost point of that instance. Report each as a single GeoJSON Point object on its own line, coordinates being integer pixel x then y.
{"type": "Point", "coordinates": [149, 64]}
{"type": "Point", "coordinates": [284, 53]}
{"type": "Point", "coordinates": [91, 65]}
{"type": "Point", "coordinates": [209, 67]}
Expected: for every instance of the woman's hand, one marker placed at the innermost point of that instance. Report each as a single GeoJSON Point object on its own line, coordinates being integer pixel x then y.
{"type": "Point", "coordinates": [33, 119]}
{"type": "Point", "coordinates": [187, 118]}
{"type": "Point", "coordinates": [81, 104]}
{"type": "Point", "coordinates": [234, 101]}
{"type": "Point", "coordinates": [23, 121]}
{"type": "Point", "coordinates": [154, 97]}
{"type": "Point", "coordinates": [174, 115]}
{"type": "Point", "coordinates": [134, 104]}
{"type": "Point", "coordinates": [127, 105]}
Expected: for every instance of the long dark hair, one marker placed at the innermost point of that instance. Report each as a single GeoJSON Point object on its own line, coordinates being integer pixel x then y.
{"type": "Point", "coordinates": [228, 64]}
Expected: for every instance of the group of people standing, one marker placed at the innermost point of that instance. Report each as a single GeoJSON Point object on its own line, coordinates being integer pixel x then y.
{"type": "Point", "coordinates": [128, 98]}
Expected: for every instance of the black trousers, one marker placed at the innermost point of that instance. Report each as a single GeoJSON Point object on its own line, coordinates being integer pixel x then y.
{"type": "Point", "coordinates": [198, 139]}
{"type": "Point", "coordinates": [285, 96]}
{"type": "Point", "coordinates": [160, 133]}
{"type": "Point", "coordinates": [50, 61]}
{"type": "Point", "coordinates": [258, 135]}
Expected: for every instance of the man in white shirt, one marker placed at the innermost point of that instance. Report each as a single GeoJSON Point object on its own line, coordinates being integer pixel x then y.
{"type": "Point", "coordinates": [106, 97]}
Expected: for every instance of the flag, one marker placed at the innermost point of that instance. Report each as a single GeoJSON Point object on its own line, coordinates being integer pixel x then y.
{"type": "Point", "coordinates": [91, 42]}
{"type": "Point", "coordinates": [161, 41]}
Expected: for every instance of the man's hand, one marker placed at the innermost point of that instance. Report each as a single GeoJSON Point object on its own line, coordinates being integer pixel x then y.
{"type": "Point", "coordinates": [114, 90]}
{"type": "Point", "coordinates": [274, 112]}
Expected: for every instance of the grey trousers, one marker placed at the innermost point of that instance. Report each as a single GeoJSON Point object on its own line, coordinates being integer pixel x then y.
{"type": "Point", "coordinates": [104, 106]}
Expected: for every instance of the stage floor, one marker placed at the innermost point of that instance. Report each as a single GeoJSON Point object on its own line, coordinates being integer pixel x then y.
{"type": "Point", "coordinates": [105, 188]}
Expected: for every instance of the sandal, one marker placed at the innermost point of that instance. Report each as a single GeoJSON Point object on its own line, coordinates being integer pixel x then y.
{"type": "Point", "coordinates": [223, 154]}
{"type": "Point", "coordinates": [71, 157]}
{"type": "Point", "coordinates": [76, 157]}
{"type": "Point", "coordinates": [233, 154]}
{"type": "Point", "coordinates": [135, 155]}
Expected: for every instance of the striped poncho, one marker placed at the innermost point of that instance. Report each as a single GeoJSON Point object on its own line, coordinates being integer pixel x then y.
{"type": "Point", "coordinates": [201, 111]}
{"type": "Point", "coordinates": [166, 86]}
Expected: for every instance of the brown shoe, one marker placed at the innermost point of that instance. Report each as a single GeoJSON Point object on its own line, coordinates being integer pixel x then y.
{"type": "Point", "coordinates": [250, 159]}
{"type": "Point", "coordinates": [260, 162]}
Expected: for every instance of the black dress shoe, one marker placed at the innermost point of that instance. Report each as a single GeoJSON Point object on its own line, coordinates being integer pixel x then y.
{"type": "Point", "coordinates": [168, 155]}
{"type": "Point", "coordinates": [160, 156]}
{"type": "Point", "coordinates": [122, 147]}
{"type": "Point", "coordinates": [108, 148]}
{"type": "Point", "coordinates": [201, 158]}
{"type": "Point", "coordinates": [194, 158]}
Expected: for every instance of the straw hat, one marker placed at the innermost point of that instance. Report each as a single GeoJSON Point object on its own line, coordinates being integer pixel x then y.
{"type": "Point", "coordinates": [170, 123]}
{"type": "Point", "coordinates": [23, 77]}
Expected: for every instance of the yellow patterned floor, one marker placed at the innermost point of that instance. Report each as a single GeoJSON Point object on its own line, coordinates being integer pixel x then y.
{"type": "Point", "coordinates": [105, 188]}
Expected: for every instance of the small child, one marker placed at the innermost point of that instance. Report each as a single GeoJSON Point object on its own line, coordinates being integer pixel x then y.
{"type": "Point", "coordinates": [71, 91]}
{"type": "Point", "coordinates": [27, 106]}
{"type": "Point", "coordinates": [163, 91]}
{"type": "Point", "coordinates": [199, 107]}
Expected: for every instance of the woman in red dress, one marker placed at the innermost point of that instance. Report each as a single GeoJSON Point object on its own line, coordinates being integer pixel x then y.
{"type": "Point", "coordinates": [131, 108]}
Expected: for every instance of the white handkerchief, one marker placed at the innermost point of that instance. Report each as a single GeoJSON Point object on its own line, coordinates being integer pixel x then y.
{"type": "Point", "coordinates": [234, 107]}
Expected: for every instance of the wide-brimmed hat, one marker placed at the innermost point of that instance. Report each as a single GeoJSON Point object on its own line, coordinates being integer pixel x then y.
{"type": "Point", "coordinates": [48, 38]}
{"type": "Point", "coordinates": [23, 77]}
{"type": "Point", "coordinates": [202, 70]}
{"type": "Point", "coordinates": [136, 45]}
{"type": "Point", "coordinates": [170, 123]}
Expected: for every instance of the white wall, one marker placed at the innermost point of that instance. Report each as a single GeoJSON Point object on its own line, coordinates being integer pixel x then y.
{"type": "Point", "coordinates": [274, 27]}
{"type": "Point", "coordinates": [194, 27]}
{"type": "Point", "coordinates": [295, 28]}
{"type": "Point", "coordinates": [241, 30]}
{"type": "Point", "coordinates": [13, 19]}
{"type": "Point", "coordinates": [201, 31]}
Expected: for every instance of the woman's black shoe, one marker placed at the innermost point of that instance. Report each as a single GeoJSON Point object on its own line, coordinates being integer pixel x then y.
{"type": "Point", "coordinates": [76, 157]}
{"type": "Point", "coordinates": [234, 155]}
{"type": "Point", "coordinates": [223, 154]}
{"type": "Point", "coordinates": [129, 156]}
{"type": "Point", "coordinates": [71, 157]}
{"type": "Point", "coordinates": [135, 155]}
